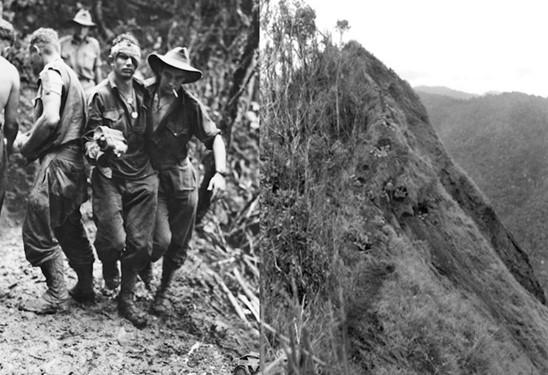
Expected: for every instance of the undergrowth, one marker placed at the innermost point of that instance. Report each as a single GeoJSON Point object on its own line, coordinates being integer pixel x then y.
{"type": "Point", "coordinates": [343, 291]}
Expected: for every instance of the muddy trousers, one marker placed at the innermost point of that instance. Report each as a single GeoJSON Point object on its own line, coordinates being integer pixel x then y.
{"type": "Point", "coordinates": [124, 212]}
{"type": "Point", "coordinates": [3, 168]}
{"type": "Point", "coordinates": [176, 214]}
{"type": "Point", "coordinates": [53, 221]}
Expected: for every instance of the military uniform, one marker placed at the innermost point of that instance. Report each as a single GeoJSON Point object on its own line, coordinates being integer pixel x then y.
{"type": "Point", "coordinates": [178, 190]}
{"type": "Point", "coordinates": [3, 169]}
{"type": "Point", "coordinates": [82, 55]}
{"type": "Point", "coordinates": [52, 220]}
{"type": "Point", "coordinates": [125, 188]}
{"type": "Point", "coordinates": [173, 124]}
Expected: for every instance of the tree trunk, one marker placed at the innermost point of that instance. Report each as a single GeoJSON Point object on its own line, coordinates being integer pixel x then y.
{"type": "Point", "coordinates": [241, 77]}
{"type": "Point", "coordinates": [98, 14]}
{"type": "Point", "coordinates": [230, 113]}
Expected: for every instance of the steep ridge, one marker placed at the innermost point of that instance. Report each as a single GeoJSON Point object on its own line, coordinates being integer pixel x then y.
{"type": "Point", "coordinates": [500, 141]}
{"type": "Point", "coordinates": [430, 200]}
{"type": "Point", "coordinates": [432, 281]}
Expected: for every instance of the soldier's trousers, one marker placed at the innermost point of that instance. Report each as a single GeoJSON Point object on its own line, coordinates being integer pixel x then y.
{"type": "Point", "coordinates": [52, 221]}
{"type": "Point", "coordinates": [3, 169]}
{"type": "Point", "coordinates": [177, 202]}
{"type": "Point", "coordinates": [124, 212]}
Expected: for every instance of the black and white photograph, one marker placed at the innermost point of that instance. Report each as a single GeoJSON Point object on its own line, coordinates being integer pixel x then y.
{"type": "Point", "coordinates": [273, 187]}
{"type": "Point", "coordinates": [129, 187]}
{"type": "Point", "coordinates": [403, 180]}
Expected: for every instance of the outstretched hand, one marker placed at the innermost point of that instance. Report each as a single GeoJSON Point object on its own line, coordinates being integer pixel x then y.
{"type": "Point", "coordinates": [217, 184]}
{"type": "Point", "coordinates": [20, 141]}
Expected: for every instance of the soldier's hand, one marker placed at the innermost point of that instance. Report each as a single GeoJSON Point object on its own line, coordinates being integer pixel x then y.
{"type": "Point", "coordinates": [20, 141]}
{"type": "Point", "coordinates": [93, 151]}
{"type": "Point", "coordinates": [217, 184]}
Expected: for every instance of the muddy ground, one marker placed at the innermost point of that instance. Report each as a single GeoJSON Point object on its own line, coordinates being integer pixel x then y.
{"type": "Point", "coordinates": [202, 335]}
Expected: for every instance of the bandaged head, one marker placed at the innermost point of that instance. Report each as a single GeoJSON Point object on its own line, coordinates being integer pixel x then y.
{"type": "Point", "coordinates": [127, 45]}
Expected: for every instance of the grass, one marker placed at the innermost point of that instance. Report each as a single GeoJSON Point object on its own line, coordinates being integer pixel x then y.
{"type": "Point", "coordinates": [369, 265]}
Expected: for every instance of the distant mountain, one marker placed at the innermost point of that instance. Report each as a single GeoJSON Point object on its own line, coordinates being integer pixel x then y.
{"type": "Point", "coordinates": [501, 141]}
{"type": "Point", "coordinates": [445, 91]}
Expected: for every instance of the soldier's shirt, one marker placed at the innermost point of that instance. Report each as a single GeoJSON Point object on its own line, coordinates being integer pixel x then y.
{"type": "Point", "coordinates": [82, 55]}
{"type": "Point", "coordinates": [174, 127]}
{"type": "Point", "coordinates": [51, 83]}
{"type": "Point", "coordinates": [106, 107]}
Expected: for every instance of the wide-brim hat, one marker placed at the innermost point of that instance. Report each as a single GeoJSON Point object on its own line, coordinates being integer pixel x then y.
{"type": "Point", "coordinates": [83, 17]}
{"type": "Point", "coordinates": [176, 58]}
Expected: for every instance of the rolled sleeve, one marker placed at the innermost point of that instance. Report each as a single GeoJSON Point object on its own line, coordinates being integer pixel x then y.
{"type": "Point", "coordinates": [51, 82]}
{"type": "Point", "coordinates": [95, 115]}
{"type": "Point", "coordinates": [95, 118]}
{"type": "Point", "coordinates": [206, 130]}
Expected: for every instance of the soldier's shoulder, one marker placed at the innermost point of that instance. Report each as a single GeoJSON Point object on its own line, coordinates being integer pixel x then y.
{"type": "Point", "coordinates": [140, 83]}
{"type": "Point", "coordinates": [9, 70]}
{"type": "Point", "coordinates": [6, 65]}
{"type": "Point", "coordinates": [150, 82]}
{"type": "Point", "coordinates": [191, 97]}
{"type": "Point", "coordinates": [102, 89]}
{"type": "Point", "coordinates": [94, 42]}
{"type": "Point", "coordinates": [65, 39]}
{"type": "Point", "coordinates": [51, 68]}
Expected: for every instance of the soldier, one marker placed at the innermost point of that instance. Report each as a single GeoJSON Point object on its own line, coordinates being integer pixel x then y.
{"type": "Point", "coordinates": [82, 52]}
{"type": "Point", "coordinates": [176, 117]}
{"type": "Point", "coordinates": [9, 101]}
{"type": "Point", "coordinates": [52, 221]}
{"type": "Point", "coordinates": [124, 186]}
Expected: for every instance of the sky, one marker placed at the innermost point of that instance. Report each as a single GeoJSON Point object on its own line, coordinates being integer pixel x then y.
{"type": "Point", "coordinates": [474, 46]}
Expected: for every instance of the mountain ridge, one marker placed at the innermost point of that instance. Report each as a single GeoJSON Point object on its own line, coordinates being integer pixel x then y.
{"type": "Point", "coordinates": [414, 255]}
{"type": "Point", "coordinates": [500, 142]}
{"type": "Point", "coordinates": [445, 91]}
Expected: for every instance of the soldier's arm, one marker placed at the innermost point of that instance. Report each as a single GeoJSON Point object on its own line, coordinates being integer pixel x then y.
{"type": "Point", "coordinates": [95, 109]}
{"type": "Point", "coordinates": [219, 154]}
{"type": "Point", "coordinates": [210, 135]}
{"type": "Point", "coordinates": [46, 124]}
{"type": "Point", "coordinates": [95, 119]}
{"type": "Point", "coordinates": [11, 127]}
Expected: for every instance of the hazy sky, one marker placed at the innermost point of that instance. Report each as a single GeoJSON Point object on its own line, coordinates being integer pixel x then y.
{"type": "Point", "coordinates": [469, 45]}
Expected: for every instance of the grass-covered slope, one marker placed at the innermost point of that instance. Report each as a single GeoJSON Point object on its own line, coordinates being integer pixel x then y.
{"type": "Point", "coordinates": [500, 141]}
{"type": "Point", "coordinates": [388, 257]}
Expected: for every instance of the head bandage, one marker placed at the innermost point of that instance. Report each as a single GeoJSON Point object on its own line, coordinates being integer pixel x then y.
{"type": "Point", "coordinates": [127, 48]}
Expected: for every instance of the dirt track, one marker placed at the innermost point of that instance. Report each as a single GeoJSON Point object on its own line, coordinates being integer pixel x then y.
{"type": "Point", "coordinates": [201, 336]}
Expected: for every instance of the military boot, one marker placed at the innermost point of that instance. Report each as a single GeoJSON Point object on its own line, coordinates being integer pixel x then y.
{"type": "Point", "coordinates": [161, 305]}
{"type": "Point", "coordinates": [126, 305]}
{"type": "Point", "coordinates": [83, 290]}
{"type": "Point", "coordinates": [56, 298]}
{"type": "Point", "coordinates": [111, 274]}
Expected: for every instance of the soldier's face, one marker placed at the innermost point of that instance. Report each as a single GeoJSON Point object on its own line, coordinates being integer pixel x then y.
{"type": "Point", "coordinates": [36, 59]}
{"type": "Point", "coordinates": [171, 79]}
{"type": "Point", "coordinates": [82, 31]}
{"type": "Point", "coordinates": [124, 66]}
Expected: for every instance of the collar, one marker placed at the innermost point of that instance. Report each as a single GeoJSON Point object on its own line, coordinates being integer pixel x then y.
{"type": "Point", "coordinates": [140, 90]}
{"type": "Point", "coordinates": [76, 39]}
{"type": "Point", "coordinates": [136, 82]}
{"type": "Point", "coordinates": [50, 64]}
{"type": "Point", "coordinates": [151, 84]}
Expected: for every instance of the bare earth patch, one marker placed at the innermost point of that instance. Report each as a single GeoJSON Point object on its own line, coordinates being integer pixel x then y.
{"type": "Point", "coordinates": [201, 336]}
